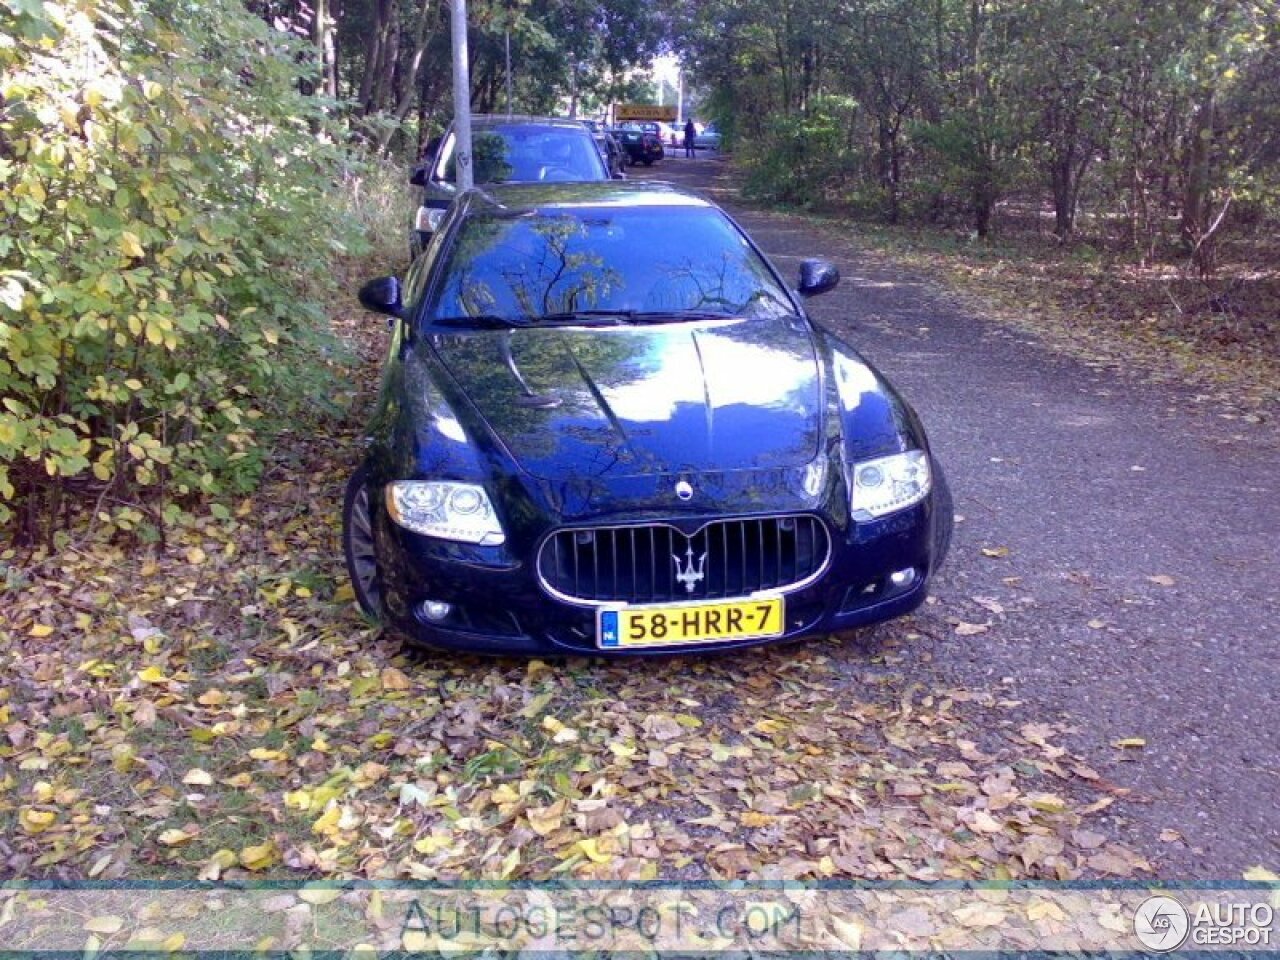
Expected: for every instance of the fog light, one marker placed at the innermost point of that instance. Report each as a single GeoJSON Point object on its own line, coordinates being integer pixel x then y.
{"type": "Point", "coordinates": [900, 578]}
{"type": "Point", "coordinates": [435, 610]}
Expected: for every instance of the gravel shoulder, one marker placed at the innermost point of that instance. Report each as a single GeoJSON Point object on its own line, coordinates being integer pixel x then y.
{"type": "Point", "coordinates": [1118, 545]}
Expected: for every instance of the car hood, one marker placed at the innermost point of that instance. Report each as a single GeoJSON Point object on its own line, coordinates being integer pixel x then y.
{"type": "Point", "coordinates": [625, 401]}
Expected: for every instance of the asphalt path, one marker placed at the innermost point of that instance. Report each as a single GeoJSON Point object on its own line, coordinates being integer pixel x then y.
{"type": "Point", "coordinates": [1130, 584]}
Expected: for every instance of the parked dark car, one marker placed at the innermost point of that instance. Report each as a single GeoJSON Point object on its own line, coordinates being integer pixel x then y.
{"type": "Point", "coordinates": [641, 143]}
{"type": "Point", "coordinates": [507, 149]}
{"type": "Point", "coordinates": [607, 426]}
{"type": "Point", "coordinates": [610, 149]}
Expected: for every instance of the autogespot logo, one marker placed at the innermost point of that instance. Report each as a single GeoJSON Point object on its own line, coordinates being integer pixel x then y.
{"type": "Point", "coordinates": [1161, 924]}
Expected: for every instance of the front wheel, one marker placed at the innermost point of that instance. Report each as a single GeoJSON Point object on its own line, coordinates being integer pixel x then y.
{"type": "Point", "coordinates": [358, 545]}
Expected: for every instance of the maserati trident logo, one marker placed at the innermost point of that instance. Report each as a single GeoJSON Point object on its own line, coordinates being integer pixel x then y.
{"type": "Point", "coordinates": [687, 574]}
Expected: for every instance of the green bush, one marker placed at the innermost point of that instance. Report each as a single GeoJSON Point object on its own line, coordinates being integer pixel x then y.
{"type": "Point", "coordinates": [801, 157]}
{"type": "Point", "coordinates": [167, 199]}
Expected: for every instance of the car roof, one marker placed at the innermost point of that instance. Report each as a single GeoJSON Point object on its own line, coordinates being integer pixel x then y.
{"type": "Point", "coordinates": [513, 199]}
{"type": "Point", "coordinates": [492, 120]}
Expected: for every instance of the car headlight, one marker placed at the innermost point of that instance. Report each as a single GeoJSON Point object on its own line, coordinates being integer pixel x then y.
{"type": "Point", "coordinates": [887, 484]}
{"type": "Point", "coordinates": [451, 511]}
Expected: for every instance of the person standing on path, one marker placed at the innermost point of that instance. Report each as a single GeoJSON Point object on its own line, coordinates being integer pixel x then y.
{"type": "Point", "coordinates": [689, 134]}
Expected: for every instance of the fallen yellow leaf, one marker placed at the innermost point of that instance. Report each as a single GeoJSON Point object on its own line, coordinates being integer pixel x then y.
{"type": "Point", "coordinates": [36, 821]}
{"type": "Point", "coordinates": [393, 679]}
{"type": "Point", "coordinates": [590, 848]}
{"type": "Point", "coordinates": [430, 844]}
{"type": "Point", "coordinates": [152, 675]}
{"type": "Point", "coordinates": [41, 630]}
{"type": "Point", "coordinates": [107, 925]}
{"type": "Point", "coordinates": [196, 777]}
{"type": "Point", "coordinates": [175, 837]}
{"type": "Point", "coordinates": [319, 896]}
{"type": "Point", "coordinates": [545, 820]}
{"type": "Point", "coordinates": [1130, 743]}
{"type": "Point", "coordinates": [1260, 874]}
{"type": "Point", "coordinates": [260, 856]}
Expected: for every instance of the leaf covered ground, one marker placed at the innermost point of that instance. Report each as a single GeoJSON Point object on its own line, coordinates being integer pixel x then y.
{"type": "Point", "coordinates": [1218, 336]}
{"type": "Point", "coordinates": [218, 707]}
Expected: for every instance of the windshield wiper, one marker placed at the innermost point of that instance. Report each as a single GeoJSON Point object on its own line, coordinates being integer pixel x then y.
{"type": "Point", "coordinates": [669, 316]}
{"type": "Point", "coordinates": [578, 316]}
{"type": "Point", "coordinates": [486, 321]}
{"type": "Point", "coordinates": [490, 321]}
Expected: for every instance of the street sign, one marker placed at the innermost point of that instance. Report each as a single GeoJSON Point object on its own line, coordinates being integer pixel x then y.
{"type": "Point", "coordinates": [622, 112]}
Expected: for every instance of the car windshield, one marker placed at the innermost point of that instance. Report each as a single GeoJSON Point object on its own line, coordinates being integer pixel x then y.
{"type": "Point", "coordinates": [603, 265]}
{"type": "Point", "coordinates": [528, 153]}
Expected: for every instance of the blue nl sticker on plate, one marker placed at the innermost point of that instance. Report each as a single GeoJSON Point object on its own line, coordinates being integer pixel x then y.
{"type": "Point", "coordinates": [609, 629]}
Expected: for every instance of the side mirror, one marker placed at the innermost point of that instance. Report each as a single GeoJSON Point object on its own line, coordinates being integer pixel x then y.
{"type": "Point", "coordinates": [817, 276]}
{"type": "Point", "coordinates": [382, 296]}
{"type": "Point", "coordinates": [419, 176]}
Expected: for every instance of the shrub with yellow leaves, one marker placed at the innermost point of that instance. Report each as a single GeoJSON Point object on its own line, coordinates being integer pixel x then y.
{"type": "Point", "coordinates": [167, 225]}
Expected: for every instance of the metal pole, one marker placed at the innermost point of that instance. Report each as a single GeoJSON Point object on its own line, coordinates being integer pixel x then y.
{"type": "Point", "coordinates": [461, 97]}
{"type": "Point", "coordinates": [508, 39]}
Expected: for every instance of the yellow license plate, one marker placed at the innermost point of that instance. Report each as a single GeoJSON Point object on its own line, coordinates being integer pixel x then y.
{"type": "Point", "coordinates": [690, 623]}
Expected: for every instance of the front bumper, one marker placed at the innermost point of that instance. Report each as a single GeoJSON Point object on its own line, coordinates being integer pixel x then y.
{"type": "Point", "coordinates": [498, 606]}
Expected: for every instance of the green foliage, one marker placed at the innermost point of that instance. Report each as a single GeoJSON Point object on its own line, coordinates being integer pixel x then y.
{"type": "Point", "coordinates": [799, 155]}
{"type": "Point", "coordinates": [167, 202]}
{"type": "Point", "coordinates": [1136, 110]}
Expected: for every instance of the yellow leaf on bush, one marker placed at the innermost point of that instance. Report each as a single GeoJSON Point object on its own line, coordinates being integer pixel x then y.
{"type": "Point", "coordinates": [131, 245]}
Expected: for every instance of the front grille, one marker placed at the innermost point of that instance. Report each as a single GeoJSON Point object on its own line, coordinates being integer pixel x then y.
{"type": "Point", "coordinates": [656, 563]}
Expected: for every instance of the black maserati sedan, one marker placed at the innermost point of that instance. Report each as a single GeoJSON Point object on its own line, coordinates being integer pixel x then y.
{"type": "Point", "coordinates": [608, 426]}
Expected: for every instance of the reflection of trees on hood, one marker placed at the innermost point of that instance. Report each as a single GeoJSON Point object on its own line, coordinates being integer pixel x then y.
{"type": "Point", "coordinates": [549, 363]}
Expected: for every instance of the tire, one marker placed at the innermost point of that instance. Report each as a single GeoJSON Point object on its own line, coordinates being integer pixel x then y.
{"type": "Point", "coordinates": [944, 525]}
{"type": "Point", "coordinates": [358, 545]}
{"type": "Point", "coordinates": [648, 162]}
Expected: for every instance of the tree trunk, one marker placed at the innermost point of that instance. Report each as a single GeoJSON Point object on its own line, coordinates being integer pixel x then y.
{"type": "Point", "coordinates": [322, 22]}
{"type": "Point", "coordinates": [373, 54]}
{"type": "Point", "coordinates": [1195, 201]}
{"type": "Point", "coordinates": [409, 82]}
